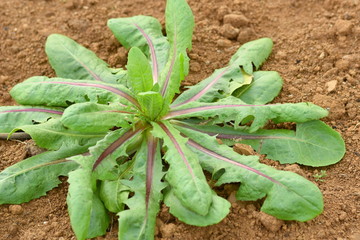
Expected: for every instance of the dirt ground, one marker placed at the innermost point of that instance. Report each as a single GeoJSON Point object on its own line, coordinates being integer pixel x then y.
{"type": "Point", "coordinates": [316, 51]}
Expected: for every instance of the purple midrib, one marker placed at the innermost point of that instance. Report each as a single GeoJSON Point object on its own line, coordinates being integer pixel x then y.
{"type": "Point", "coordinates": [203, 91]}
{"type": "Point", "coordinates": [218, 156]}
{"type": "Point", "coordinates": [108, 88]}
{"type": "Point", "coordinates": [152, 144]}
{"type": "Point", "coordinates": [204, 108]}
{"type": "Point", "coordinates": [115, 145]}
{"type": "Point", "coordinates": [167, 80]}
{"type": "Point", "coordinates": [178, 148]}
{"type": "Point", "coordinates": [33, 110]}
{"type": "Point", "coordinates": [153, 54]}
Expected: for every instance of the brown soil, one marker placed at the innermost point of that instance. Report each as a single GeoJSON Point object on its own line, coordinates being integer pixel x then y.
{"type": "Point", "coordinates": [316, 45]}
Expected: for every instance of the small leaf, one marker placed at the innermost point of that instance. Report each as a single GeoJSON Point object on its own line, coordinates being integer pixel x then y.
{"type": "Point", "coordinates": [265, 86]}
{"type": "Point", "coordinates": [33, 177]}
{"type": "Point", "coordinates": [16, 116]}
{"type": "Point", "coordinates": [113, 194]}
{"type": "Point", "coordinates": [217, 212]}
{"type": "Point", "coordinates": [71, 60]}
{"type": "Point", "coordinates": [151, 104]}
{"type": "Point", "coordinates": [139, 71]}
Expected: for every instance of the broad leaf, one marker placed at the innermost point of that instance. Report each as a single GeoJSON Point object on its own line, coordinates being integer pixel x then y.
{"type": "Point", "coordinates": [232, 109]}
{"type": "Point", "coordinates": [185, 169]}
{"type": "Point", "coordinates": [52, 135]}
{"type": "Point", "coordinates": [217, 212]}
{"type": "Point", "coordinates": [265, 86]}
{"type": "Point", "coordinates": [71, 60]}
{"type": "Point", "coordinates": [93, 117]}
{"type": "Point", "coordinates": [139, 221]}
{"type": "Point", "coordinates": [145, 33]}
{"type": "Point", "coordinates": [288, 195]}
{"type": "Point", "coordinates": [16, 116]}
{"type": "Point", "coordinates": [139, 71]}
{"type": "Point", "coordinates": [33, 177]}
{"type": "Point", "coordinates": [87, 213]}
{"type": "Point", "coordinates": [64, 92]}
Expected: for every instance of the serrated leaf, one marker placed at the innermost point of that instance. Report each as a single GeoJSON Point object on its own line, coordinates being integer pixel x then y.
{"type": "Point", "coordinates": [139, 221]}
{"type": "Point", "coordinates": [184, 168]}
{"type": "Point", "coordinates": [288, 195]}
{"type": "Point", "coordinates": [139, 71]}
{"type": "Point", "coordinates": [265, 86]}
{"type": "Point", "coordinates": [15, 116]}
{"type": "Point", "coordinates": [217, 212]}
{"type": "Point", "coordinates": [233, 109]}
{"type": "Point", "coordinates": [93, 117]}
{"type": "Point", "coordinates": [64, 92]}
{"type": "Point", "coordinates": [52, 135]}
{"type": "Point", "coordinates": [33, 177]}
{"type": "Point", "coordinates": [71, 60]}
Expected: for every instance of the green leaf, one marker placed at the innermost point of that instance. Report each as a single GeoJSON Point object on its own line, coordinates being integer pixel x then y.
{"type": "Point", "coordinates": [52, 135]}
{"type": "Point", "coordinates": [71, 60]}
{"type": "Point", "coordinates": [252, 54]}
{"type": "Point", "coordinates": [88, 215]}
{"type": "Point", "coordinates": [145, 33]}
{"type": "Point", "coordinates": [33, 177]}
{"type": "Point", "coordinates": [233, 109]}
{"type": "Point", "coordinates": [288, 195]}
{"type": "Point", "coordinates": [106, 152]}
{"type": "Point", "coordinates": [265, 86]}
{"type": "Point", "coordinates": [139, 221]}
{"type": "Point", "coordinates": [113, 194]}
{"type": "Point", "coordinates": [217, 212]}
{"type": "Point", "coordinates": [185, 169]}
{"type": "Point", "coordinates": [151, 103]}
{"type": "Point", "coordinates": [16, 116]}
{"type": "Point", "coordinates": [64, 92]}
{"type": "Point", "coordinates": [139, 71]}
{"type": "Point", "coordinates": [92, 117]}
{"type": "Point", "coordinates": [313, 144]}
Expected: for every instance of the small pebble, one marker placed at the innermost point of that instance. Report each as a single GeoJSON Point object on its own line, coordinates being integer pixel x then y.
{"type": "Point", "coordinates": [229, 31]}
{"type": "Point", "coordinates": [245, 35]}
{"type": "Point", "coordinates": [331, 86]}
{"type": "Point", "coordinates": [236, 20]}
{"type": "Point", "coordinates": [16, 209]}
{"type": "Point", "coordinates": [232, 197]}
{"type": "Point", "coordinates": [244, 149]}
{"type": "Point", "coordinates": [295, 169]}
{"type": "Point", "coordinates": [342, 216]}
{"type": "Point", "coordinates": [343, 27]}
{"type": "Point", "coordinates": [195, 67]}
{"type": "Point", "coordinates": [222, 11]}
{"type": "Point", "coordinates": [168, 230]}
{"type": "Point", "coordinates": [269, 222]}
{"type": "Point", "coordinates": [224, 43]}
{"type": "Point", "coordinates": [342, 64]}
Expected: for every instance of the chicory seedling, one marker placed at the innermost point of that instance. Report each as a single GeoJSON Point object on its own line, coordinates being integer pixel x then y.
{"type": "Point", "coordinates": [127, 146]}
